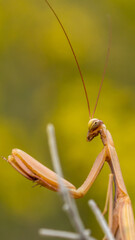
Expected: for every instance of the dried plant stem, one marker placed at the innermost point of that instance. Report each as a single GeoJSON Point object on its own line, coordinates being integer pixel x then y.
{"type": "Point", "coordinates": [59, 234]}
{"type": "Point", "coordinates": [69, 203]}
{"type": "Point", "coordinates": [101, 220]}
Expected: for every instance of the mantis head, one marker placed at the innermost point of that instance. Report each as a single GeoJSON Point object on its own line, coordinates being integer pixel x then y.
{"type": "Point", "coordinates": [94, 126]}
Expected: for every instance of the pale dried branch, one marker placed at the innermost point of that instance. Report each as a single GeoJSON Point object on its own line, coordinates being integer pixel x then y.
{"type": "Point", "coordinates": [101, 220]}
{"type": "Point", "coordinates": [59, 234]}
{"type": "Point", "coordinates": [69, 203]}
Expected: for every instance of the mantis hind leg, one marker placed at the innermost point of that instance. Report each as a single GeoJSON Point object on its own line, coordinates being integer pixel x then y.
{"type": "Point", "coordinates": [109, 201]}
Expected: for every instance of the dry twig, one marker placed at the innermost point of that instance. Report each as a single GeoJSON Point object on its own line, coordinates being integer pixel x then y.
{"type": "Point", "coordinates": [69, 203]}
{"type": "Point", "coordinates": [59, 234]}
{"type": "Point", "coordinates": [101, 220]}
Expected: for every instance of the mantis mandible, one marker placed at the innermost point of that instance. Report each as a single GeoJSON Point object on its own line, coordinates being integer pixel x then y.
{"type": "Point", "coordinates": [121, 219]}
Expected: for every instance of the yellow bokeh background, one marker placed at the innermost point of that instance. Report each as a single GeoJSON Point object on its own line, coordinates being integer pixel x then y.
{"type": "Point", "coordinates": [39, 83]}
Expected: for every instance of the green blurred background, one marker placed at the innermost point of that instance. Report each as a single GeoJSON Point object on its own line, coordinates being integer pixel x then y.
{"type": "Point", "coordinates": [39, 83]}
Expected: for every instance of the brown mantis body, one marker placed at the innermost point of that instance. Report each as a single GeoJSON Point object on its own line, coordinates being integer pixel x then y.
{"type": "Point", "coordinates": [121, 214]}
{"type": "Point", "coordinates": [121, 219]}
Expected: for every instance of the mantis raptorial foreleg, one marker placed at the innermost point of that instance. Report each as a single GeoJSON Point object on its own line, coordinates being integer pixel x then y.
{"type": "Point", "coordinates": [96, 168]}
{"type": "Point", "coordinates": [37, 172]}
{"type": "Point", "coordinates": [34, 170]}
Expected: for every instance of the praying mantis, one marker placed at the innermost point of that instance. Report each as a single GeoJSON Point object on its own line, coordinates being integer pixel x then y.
{"type": "Point", "coordinates": [121, 218]}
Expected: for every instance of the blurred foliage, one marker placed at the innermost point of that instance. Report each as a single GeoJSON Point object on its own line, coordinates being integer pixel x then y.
{"type": "Point", "coordinates": [40, 84]}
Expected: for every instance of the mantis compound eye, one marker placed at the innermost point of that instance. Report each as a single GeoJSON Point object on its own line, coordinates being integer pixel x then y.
{"type": "Point", "coordinates": [94, 123]}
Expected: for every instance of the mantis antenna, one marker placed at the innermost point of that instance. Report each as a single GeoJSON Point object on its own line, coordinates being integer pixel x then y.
{"type": "Point", "coordinates": [78, 66]}
{"type": "Point", "coordinates": [105, 67]}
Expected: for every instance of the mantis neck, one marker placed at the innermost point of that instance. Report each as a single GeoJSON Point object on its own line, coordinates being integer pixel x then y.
{"type": "Point", "coordinates": [106, 136]}
{"type": "Point", "coordinates": [113, 161]}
